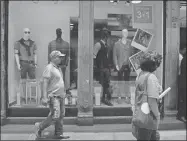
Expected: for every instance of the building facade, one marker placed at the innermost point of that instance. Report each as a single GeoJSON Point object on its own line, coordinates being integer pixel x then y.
{"type": "Point", "coordinates": [81, 22]}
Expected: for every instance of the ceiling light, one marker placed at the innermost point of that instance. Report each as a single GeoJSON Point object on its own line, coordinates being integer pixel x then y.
{"type": "Point", "coordinates": [136, 1]}
{"type": "Point", "coordinates": [114, 1]}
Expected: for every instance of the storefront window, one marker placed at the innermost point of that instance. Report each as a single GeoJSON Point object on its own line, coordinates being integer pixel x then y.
{"type": "Point", "coordinates": [131, 29]}
{"type": "Point", "coordinates": [32, 36]}
{"type": "Point", "coordinates": [116, 80]}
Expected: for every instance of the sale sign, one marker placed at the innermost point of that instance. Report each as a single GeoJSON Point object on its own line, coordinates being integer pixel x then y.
{"type": "Point", "coordinates": [142, 16]}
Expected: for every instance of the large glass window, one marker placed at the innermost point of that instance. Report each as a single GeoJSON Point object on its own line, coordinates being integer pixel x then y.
{"type": "Point", "coordinates": [31, 38]}
{"type": "Point", "coordinates": [114, 75]}
{"type": "Point", "coordinates": [120, 74]}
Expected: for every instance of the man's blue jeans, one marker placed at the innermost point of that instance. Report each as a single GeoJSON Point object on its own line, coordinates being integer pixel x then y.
{"type": "Point", "coordinates": [56, 114]}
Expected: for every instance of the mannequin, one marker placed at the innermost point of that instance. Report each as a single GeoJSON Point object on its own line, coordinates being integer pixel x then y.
{"type": "Point", "coordinates": [121, 53]}
{"type": "Point", "coordinates": [26, 58]}
{"type": "Point", "coordinates": [102, 64]}
{"type": "Point", "coordinates": [62, 46]}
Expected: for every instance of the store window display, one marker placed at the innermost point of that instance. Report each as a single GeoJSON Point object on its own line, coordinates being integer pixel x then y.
{"type": "Point", "coordinates": [121, 74]}
{"type": "Point", "coordinates": [26, 60]}
{"type": "Point", "coordinates": [28, 48]}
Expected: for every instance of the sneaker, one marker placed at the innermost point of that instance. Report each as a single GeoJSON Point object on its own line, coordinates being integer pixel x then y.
{"type": "Point", "coordinates": [61, 137]}
{"type": "Point", "coordinates": [38, 132]}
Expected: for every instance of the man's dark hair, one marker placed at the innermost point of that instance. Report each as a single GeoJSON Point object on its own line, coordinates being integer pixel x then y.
{"type": "Point", "coordinates": [104, 34]}
{"type": "Point", "coordinates": [148, 65]}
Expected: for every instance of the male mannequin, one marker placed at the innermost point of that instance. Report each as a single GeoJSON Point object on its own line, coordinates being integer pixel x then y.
{"type": "Point", "coordinates": [25, 55]}
{"type": "Point", "coordinates": [121, 53]}
{"type": "Point", "coordinates": [62, 46]}
{"type": "Point", "coordinates": [102, 64]}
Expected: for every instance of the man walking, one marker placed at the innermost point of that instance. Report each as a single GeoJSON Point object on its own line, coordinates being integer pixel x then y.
{"type": "Point", "coordinates": [53, 94]}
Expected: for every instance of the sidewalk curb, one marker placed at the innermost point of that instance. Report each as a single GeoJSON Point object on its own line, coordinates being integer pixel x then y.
{"type": "Point", "coordinates": [169, 123]}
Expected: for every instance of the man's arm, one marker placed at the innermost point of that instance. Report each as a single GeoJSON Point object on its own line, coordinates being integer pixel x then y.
{"type": "Point", "coordinates": [45, 85]}
{"type": "Point", "coordinates": [49, 51]}
{"type": "Point", "coordinates": [46, 78]}
{"type": "Point", "coordinates": [67, 54]}
{"type": "Point", "coordinates": [35, 54]}
{"type": "Point", "coordinates": [16, 53]}
{"type": "Point", "coordinates": [115, 56]}
{"type": "Point", "coordinates": [96, 48]}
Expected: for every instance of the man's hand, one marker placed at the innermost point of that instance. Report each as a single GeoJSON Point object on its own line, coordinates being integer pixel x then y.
{"type": "Point", "coordinates": [44, 101]}
{"type": "Point", "coordinates": [160, 100]}
{"type": "Point", "coordinates": [117, 67]}
{"type": "Point", "coordinates": [19, 67]}
{"type": "Point", "coordinates": [133, 109]}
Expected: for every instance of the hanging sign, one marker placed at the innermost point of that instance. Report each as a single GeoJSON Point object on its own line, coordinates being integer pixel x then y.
{"type": "Point", "coordinates": [142, 16]}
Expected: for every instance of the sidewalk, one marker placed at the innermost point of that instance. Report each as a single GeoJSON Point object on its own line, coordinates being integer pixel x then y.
{"type": "Point", "coordinates": [165, 135]}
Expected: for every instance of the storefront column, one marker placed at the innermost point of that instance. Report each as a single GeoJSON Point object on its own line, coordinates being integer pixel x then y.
{"type": "Point", "coordinates": [172, 53]}
{"type": "Point", "coordinates": [3, 68]}
{"type": "Point", "coordinates": [85, 62]}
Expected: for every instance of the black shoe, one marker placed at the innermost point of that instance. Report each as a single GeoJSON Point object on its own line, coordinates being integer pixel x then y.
{"type": "Point", "coordinates": [181, 119]}
{"type": "Point", "coordinates": [107, 102]}
{"type": "Point", "coordinates": [61, 137]}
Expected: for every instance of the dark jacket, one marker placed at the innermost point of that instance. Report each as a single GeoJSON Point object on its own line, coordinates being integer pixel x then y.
{"type": "Point", "coordinates": [102, 60]}
{"type": "Point", "coordinates": [183, 73]}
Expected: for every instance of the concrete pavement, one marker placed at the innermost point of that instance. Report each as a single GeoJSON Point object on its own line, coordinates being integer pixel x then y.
{"type": "Point", "coordinates": [165, 135]}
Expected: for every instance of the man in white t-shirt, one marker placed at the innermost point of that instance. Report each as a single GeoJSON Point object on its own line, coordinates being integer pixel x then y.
{"type": "Point", "coordinates": [54, 95]}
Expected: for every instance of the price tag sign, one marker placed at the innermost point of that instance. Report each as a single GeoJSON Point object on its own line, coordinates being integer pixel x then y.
{"type": "Point", "coordinates": [143, 14]}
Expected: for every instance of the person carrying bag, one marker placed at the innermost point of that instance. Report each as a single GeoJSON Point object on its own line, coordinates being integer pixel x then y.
{"type": "Point", "coordinates": [146, 115]}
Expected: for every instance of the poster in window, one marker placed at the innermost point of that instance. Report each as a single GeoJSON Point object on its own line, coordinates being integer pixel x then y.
{"type": "Point", "coordinates": [135, 61]}
{"type": "Point", "coordinates": [142, 39]}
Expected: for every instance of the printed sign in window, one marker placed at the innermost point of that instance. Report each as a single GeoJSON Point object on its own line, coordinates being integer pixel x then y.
{"type": "Point", "coordinates": [142, 16]}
